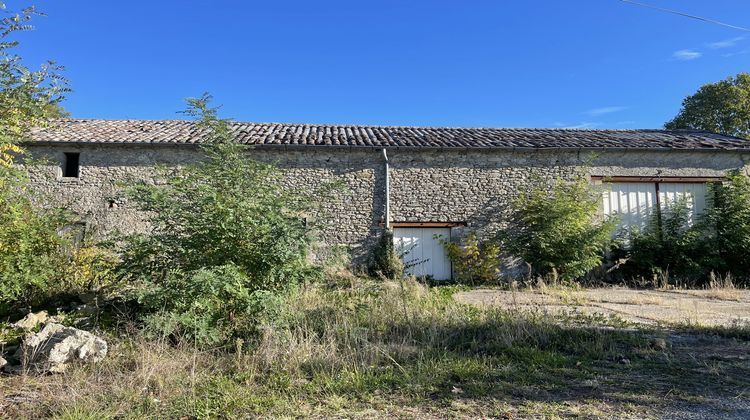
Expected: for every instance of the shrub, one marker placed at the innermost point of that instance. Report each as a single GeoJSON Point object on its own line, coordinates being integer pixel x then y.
{"type": "Point", "coordinates": [32, 253]}
{"type": "Point", "coordinates": [209, 306]}
{"type": "Point", "coordinates": [719, 242]}
{"type": "Point", "coordinates": [93, 269]}
{"type": "Point", "coordinates": [40, 264]}
{"type": "Point", "coordinates": [559, 229]}
{"type": "Point", "coordinates": [726, 226]}
{"type": "Point", "coordinates": [385, 261]}
{"type": "Point", "coordinates": [667, 250]}
{"type": "Point", "coordinates": [225, 211]}
{"type": "Point", "coordinates": [474, 262]}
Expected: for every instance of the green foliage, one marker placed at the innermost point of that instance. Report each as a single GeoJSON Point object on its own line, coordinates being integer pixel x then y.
{"type": "Point", "coordinates": [721, 107]}
{"type": "Point", "coordinates": [28, 98]}
{"type": "Point", "coordinates": [39, 262]}
{"type": "Point", "coordinates": [559, 228]}
{"type": "Point", "coordinates": [474, 262]}
{"type": "Point", "coordinates": [385, 261]}
{"type": "Point", "coordinates": [32, 253]}
{"type": "Point", "coordinates": [671, 250]}
{"type": "Point", "coordinates": [209, 306]}
{"type": "Point", "coordinates": [10, 335]}
{"type": "Point", "coordinates": [225, 236]}
{"type": "Point", "coordinates": [726, 226]}
{"type": "Point", "coordinates": [668, 249]}
{"type": "Point", "coordinates": [225, 209]}
{"type": "Point", "coordinates": [93, 269]}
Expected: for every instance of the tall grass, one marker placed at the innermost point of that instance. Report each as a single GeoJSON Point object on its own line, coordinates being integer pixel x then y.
{"type": "Point", "coordinates": [334, 345]}
{"type": "Point", "coordinates": [354, 344]}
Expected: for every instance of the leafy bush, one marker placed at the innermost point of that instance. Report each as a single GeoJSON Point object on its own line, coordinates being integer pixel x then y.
{"type": "Point", "coordinates": [225, 209]}
{"type": "Point", "coordinates": [385, 262]}
{"type": "Point", "coordinates": [719, 242]}
{"type": "Point", "coordinates": [560, 229]}
{"type": "Point", "coordinates": [209, 306]}
{"type": "Point", "coordinates": [474, 262]}
{"type": "Point", "coordinates": [39, 262]}
{"type": "Point", "coordinates": [726, 227]}
{"type": "Point", "coordinates": [224, 232]}
{"type": "Point", "coordinates": [93, 269]}
{"type": "Point", "coordinates": [32, 253]}
{"type": "Point", "coordinates": [668, 249]}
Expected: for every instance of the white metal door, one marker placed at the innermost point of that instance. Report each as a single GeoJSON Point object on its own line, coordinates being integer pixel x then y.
{"type": "Point", "coordinates": [632, 203]}
{"type": "Point", "coordinates": [421, 251]}
{"type": "Point", "coordinates": [693, 193]}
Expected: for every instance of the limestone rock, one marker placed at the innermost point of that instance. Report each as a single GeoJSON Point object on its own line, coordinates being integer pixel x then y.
{"type": "Point", "coordinates": [56, 346]}
{"type": "Point", "coordinates": [30, 321]}
{"type": "Point", "coordinates": [3, 362]}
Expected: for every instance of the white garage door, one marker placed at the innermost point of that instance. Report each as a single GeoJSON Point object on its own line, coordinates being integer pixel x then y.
{"type": "Point", "coordinates": [634, 202]}
{"type": "Point", "coordinates": [631, 202]}
{"type": "Point", "coordinates": [422, 252]}
{"type": "Point", "coordinates": [693, 193]}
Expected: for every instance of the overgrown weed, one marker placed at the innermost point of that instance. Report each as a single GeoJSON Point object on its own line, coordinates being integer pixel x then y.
{"type": "Point", "coordinates": [341, 346]}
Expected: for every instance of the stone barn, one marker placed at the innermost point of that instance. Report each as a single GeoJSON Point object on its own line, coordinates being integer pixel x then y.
{"type": "Point", "coordinates": [419, 181]}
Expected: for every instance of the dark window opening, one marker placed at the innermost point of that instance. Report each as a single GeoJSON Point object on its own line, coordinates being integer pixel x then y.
{"type": "Point", "coordinates": [71, 165]}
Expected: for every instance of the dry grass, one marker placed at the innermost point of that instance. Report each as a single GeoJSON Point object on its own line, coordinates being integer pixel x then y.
{"type": "Point", "coordinates": [721, 288]}
{"type": "Point", "coordinates": [137, 371]}
{"type": "Point", "coordinates": [360, 348]}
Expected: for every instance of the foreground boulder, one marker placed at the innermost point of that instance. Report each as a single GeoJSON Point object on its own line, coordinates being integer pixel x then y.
{"type": "Point", "coordinates": [56, 346]}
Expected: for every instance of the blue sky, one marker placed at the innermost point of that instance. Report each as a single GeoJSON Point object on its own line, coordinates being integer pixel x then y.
{"type": "Point", "coordinates": [496, 63]}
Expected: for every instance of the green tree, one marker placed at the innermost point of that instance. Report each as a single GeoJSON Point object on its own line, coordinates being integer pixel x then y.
{"type": "Point", "coordinates": [28, 98]}
{"type": "Point", "coordinates": [32, 254]}
{"type": "Point", "coordinates": [559, 228]}
{"type": "Point", "coordinates": [225, 234]}
{"type": "Point", "coordinates": [224, 209]}
{"type": "Point", "coordinates": [722, 107]}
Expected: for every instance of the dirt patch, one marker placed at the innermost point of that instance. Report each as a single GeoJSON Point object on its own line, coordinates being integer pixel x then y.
{"type": "Point", "coordinates": [690, 372]}
{"type": "Point", "coordinates": [724, 307]}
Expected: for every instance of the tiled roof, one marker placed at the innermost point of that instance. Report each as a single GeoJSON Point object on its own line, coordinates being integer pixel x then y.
{"type": "Point", "coordinates": [273, 134]}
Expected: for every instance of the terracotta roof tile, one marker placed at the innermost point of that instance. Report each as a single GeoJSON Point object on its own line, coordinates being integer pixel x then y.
{"type": "Point", "coordinates": [186, 132]}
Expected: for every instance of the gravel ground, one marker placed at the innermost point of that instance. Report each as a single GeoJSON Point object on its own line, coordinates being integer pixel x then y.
{"type": "Point", "coordinates": [714, 307]}
{"type": "Point", "coordinates": [720, 357]}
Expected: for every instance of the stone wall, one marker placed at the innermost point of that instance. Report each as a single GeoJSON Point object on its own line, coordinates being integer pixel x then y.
{"type": "Point", "coordinates": [475, 187]}
{"type": "Point", "coordinates": [478, 187]}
